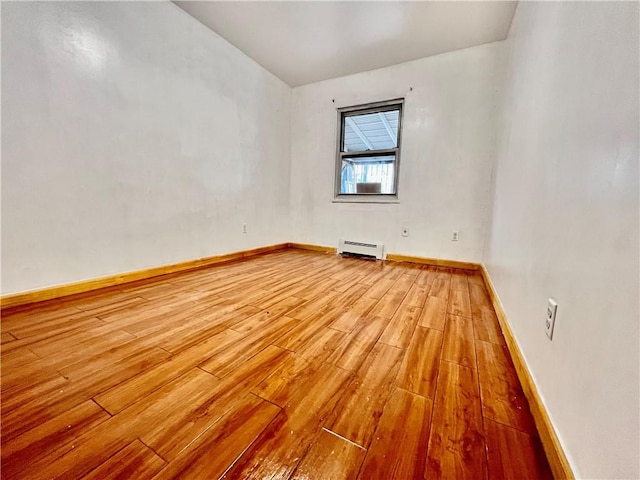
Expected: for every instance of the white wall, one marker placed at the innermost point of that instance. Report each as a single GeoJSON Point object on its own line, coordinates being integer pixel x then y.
{"type": "Point", "coordinates": [445, 165]}
{"type": "Point", "coordinates": [132, 136]}
{"type": "Point", "coordinates": [565, 221]}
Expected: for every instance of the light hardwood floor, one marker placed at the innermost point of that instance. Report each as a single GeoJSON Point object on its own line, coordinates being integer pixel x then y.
{"type": "Point", "coordinates": [293, 364]}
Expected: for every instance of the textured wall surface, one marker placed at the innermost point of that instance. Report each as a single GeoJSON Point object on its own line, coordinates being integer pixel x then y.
{"type": "Point", "coordinates": [565, 221]}
{"type": "Point", "coordinates": [445, 165]}
{"type": "Point", "coordinates": [132, 136]}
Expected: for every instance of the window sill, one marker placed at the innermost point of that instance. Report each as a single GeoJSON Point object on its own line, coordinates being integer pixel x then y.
{"type": "Point", "coordinates": [391, 199]}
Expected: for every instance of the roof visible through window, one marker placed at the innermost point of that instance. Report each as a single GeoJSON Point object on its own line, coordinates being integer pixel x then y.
{"type": "Point", "coordinates": [371, 131]}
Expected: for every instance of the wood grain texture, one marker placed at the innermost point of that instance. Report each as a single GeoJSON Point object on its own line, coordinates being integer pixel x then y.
{"type": "Point", "coordinates": [278, 450]}
{"type": "Point", "coordinates": [456, 442]}
{"type": "Point", "coordinates": [419, 370]}
{"type": "Point", "coordinates": [34, 296]}
{"type": "Point", "coordinates": [478, 294]}
{"type": "Point", "coordinates": [459, 282]}
{"type": "Point", "coordinates": [354, 348]}
{"type": "Point", "coordinates": [379, 288]}
{"type": "Point", "coordinates": [400, 328]}
{"type": "Point", "coordinates": [211, 454]}
{"type": "Point", "coordinates": [548, 436]}
{"type": "Point", "coordinates": [459, 303]}
{"type": "Point", "coordinates": [426, 276]}
{"type": "Point", "coordinates": [349, 318]}
{"type": "Point", "coordinates": [271, 367]}
{"type": "Point", "coordinates": [227, 359]}
{"type": "Point", "coordinates": [440, 287]}
{"type": "Point", "coordinates": [513, 454]}
{"type": "Point", "coordinates": [315, 248]}
{"type": "Point", "coordinates": [330, 457]}
{"type": "Point", "coordinates": [390, 301]}
{"type": "Point", "coordinates": [434, 313]}
{"type": "Point", "coordinates": [433, 261]}
{"type": "Point", "coordinates": [459, 345]}
{"type": "Point", "coordinates": [322, 301]}
{"type": "Point", "coordinates": [486, 327]}
{"type": "Point", "coordinates": [417, 295]}
{"type": "Point", "coordinates": [134, 461]}
{"type": "Point", "coordinates": [170, 418]}
{"type": "Point", "coordinates": [303, 332]}
{"type": "Point", "coordinates": [502, 396]}
{"type": "Point", "coordinates": [137, 387]}
{"type": "Point", "coordinates": [356, 415]}
{"type": "Point", "coordinates": [397, 450]}
{"type": "Point", "coordinates": [42, 440]}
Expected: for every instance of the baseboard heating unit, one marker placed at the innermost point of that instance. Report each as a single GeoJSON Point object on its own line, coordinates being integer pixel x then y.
{"type": "Point", "coordinates": [360, 249]}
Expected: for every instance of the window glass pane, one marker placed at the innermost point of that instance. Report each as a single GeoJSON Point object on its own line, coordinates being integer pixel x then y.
{"type": "Point", "coordinates": [365, 175]}
{"type": "Point", "coordinates": [371, 131]}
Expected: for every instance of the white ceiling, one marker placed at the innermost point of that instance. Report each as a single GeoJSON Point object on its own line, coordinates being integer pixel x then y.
{"type": "Point", "coordinates": [308, 41]}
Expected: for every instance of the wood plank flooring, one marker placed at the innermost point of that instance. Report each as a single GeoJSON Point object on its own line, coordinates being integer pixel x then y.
{"type": "Point", "coordinates": [290, 365]}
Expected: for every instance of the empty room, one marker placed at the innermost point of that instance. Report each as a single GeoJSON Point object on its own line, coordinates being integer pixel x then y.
{"type": "Point", "coordinates": [326, 240]}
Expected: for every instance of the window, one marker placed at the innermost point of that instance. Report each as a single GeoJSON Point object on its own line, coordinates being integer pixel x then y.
{"type": "Point", "coordinates": [369, 151]}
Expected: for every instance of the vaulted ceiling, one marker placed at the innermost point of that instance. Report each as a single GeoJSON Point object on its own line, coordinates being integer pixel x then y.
{"type": "Point", "coordinates": [309, 41]}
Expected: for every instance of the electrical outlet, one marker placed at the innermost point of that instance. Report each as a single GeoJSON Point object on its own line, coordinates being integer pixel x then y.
{"type": "Point", "coordinates": [405, 231]}
{"type": "Point", "coordinates": [550, 320]}
{"type": "Point", "coordinates": [244, 228]}
{"type": "Point", "coordinates": [454, 236]}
